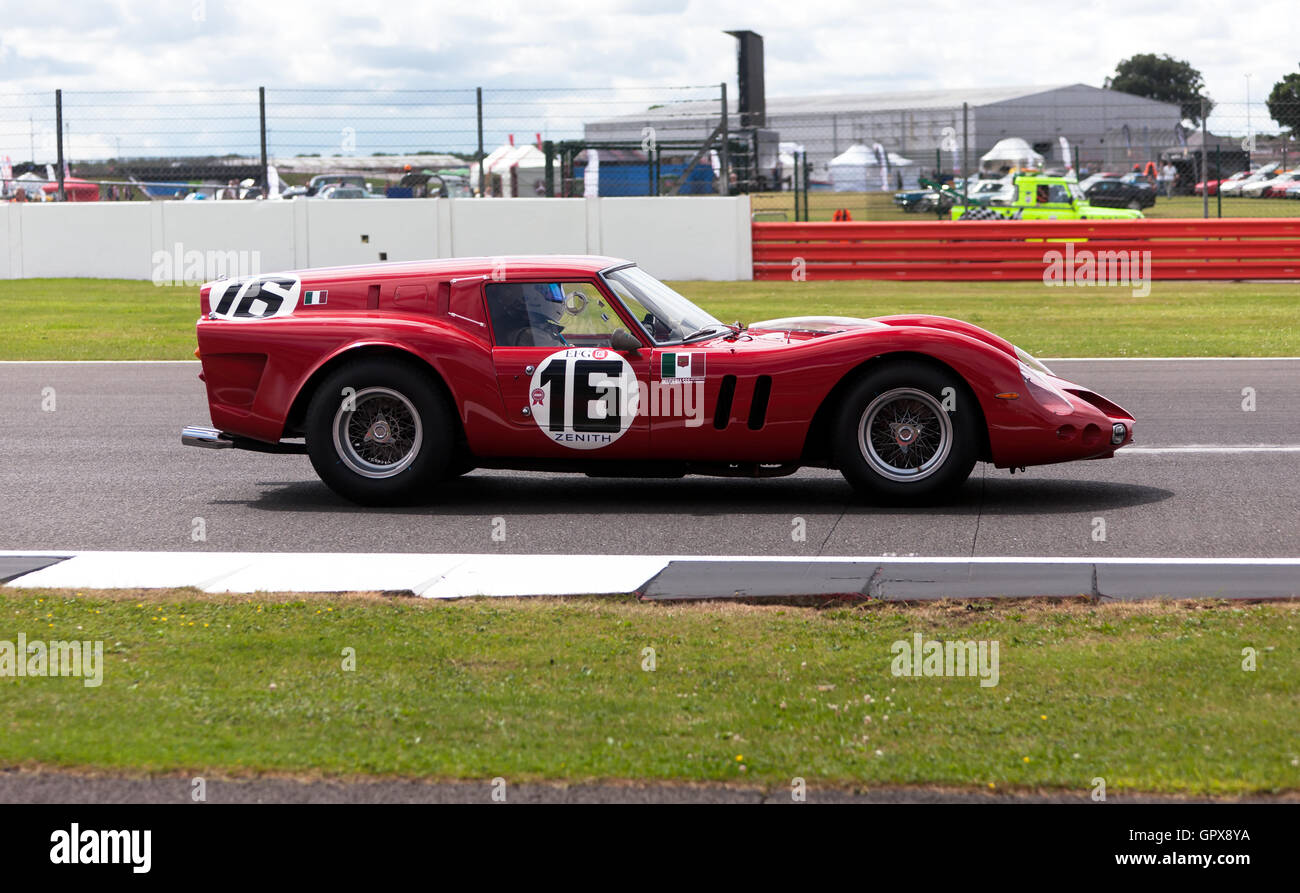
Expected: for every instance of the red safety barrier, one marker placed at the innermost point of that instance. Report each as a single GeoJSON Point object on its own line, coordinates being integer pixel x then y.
{"type": "Point", "coordinates": [1230, 248]}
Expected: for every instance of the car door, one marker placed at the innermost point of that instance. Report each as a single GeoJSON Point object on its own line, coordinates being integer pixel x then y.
{"type": "Point", "coordinates": [568, 393]}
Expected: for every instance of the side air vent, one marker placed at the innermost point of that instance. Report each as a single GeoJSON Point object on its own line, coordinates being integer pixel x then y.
{"type": "Point", "coordinates": [726, 393]}
{"type": "Point", "coordinates": [758, 407]}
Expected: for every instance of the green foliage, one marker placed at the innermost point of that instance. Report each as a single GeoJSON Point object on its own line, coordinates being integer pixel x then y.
{"type": "Point", "coordinates": [1284, 102]}
{"type": "Point", "coordinates": [1163, 78]}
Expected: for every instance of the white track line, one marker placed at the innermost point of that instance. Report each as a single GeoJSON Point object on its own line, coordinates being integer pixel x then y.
{"type": "Point", "coordinates": [449, 576]}
{"type": "Point", "coordinates": [1196, 448]}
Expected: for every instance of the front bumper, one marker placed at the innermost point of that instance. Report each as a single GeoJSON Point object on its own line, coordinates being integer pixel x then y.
{"type": "Point", "coordinates": [1031, 433]}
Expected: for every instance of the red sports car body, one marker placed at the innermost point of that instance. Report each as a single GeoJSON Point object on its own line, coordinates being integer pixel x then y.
{"type": "Point", "coordinates": [395, 376]}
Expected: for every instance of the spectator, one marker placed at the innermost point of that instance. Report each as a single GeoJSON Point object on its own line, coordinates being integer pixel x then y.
{"type": "Point", "coordinates": [1168, 176]}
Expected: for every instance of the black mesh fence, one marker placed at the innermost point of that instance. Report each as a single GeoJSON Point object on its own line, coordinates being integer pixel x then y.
{"type": "Point", "coordinates": [937, 155]}
{"type": "Point", "coordinates": [861, 157]}
{"type": "Point", "coordinates": [356, 143]}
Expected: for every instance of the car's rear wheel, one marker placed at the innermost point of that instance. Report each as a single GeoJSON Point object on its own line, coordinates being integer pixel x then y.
{"type": "Point", "coordinates": [379, 432]}
{"type": "Point", "coordinates": [908, 432]}
{"type": "Point", "coordinates": [1135, 205]}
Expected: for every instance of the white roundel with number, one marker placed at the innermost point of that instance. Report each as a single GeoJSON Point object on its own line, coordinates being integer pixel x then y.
{"type": "Point", "coordinates": [583, 398]}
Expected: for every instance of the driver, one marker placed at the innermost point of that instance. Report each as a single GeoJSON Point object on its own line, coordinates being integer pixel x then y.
{"type": "Point", "coordinates": [532, 320]}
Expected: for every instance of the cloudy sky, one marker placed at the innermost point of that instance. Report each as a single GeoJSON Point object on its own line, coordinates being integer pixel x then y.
{"type": "Point", "coordinates": [824, 47]}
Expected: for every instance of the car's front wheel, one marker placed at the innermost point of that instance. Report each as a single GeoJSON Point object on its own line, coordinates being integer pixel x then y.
{"type": "Point", "coordinates": [379, 432]}
{"type": "Point", "coordinates": [908, 433]}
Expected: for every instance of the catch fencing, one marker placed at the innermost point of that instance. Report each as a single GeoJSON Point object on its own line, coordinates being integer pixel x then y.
{"type": "Point", "coordinates": [167, 144]}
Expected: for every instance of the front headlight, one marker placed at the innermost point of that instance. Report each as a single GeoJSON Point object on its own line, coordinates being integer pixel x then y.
{"type": "Point", "coordinates": [1043, 391]}
{"type": "Point", "coordinates": [1028, 360]}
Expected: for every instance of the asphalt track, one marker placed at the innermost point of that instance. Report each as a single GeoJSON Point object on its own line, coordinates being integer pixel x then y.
{"type": "Point", "coordinates": [105, 470]}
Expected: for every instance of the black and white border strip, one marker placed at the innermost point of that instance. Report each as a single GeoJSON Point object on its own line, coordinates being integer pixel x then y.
{"type": "Point", "coordinates": [659, 577]}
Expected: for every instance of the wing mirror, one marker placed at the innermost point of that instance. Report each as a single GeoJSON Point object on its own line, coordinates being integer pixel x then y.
{"type": "Point", "coordinates": [622, 339]}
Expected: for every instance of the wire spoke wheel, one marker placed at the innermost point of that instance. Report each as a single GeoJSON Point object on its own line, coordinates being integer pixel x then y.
{"type": "Point", "coordinates": [377, 432]}
{"type": "Point", "coordinates": [905, 434]}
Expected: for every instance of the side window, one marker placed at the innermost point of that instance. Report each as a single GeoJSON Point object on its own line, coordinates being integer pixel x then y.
{"type": "Point", "coordinates": [550, 314]}
{"type": "Point", "coordinates": [1058, 194]}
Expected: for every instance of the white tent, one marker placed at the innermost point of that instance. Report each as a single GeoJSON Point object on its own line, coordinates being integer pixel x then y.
{"type": "Point", "coordinates": [521, 169]}
{"type": "Point", "coordinates": [32, 185]}
{"type": "Point", "coordinates": [858, 169]}
{"type": "Point", "coordinates": [789, 157]}
{"type": "Point", "coordinates": [1012, 152]}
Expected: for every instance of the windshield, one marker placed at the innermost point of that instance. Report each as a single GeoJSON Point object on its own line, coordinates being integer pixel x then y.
{"type": "Point", "coordinates": [666, 315]}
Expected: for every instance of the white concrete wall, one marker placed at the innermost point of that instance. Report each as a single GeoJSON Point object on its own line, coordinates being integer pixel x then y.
{"type": "Point", "coordinates": [672, 237]}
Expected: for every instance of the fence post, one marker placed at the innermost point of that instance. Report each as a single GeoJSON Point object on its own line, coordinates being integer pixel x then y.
{"type": "Point", "coordinates": [795, 176]}
{"type": "Point", "coordinates": [965, 154]}
{"type": "Point", "coordinates": [724, 188]}
{"type": "Point", "coordinates": [1205, 173]}
{"type": "Point", "coordinates": [1218, 172]}
{"type": "Point", "coordinates": [482, 184]}
{"type": "Point", "coordinates": [549, 148]}
{"type": "Point", "coordinates": [58, 125]}
{"type": "Point", "coordinates": [261, 113]}
{"type": "Point", "coordinates": [807, 169]}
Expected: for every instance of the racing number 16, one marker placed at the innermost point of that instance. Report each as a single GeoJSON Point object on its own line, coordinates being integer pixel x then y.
{"type": "Point", "coordinates": [575, 389]}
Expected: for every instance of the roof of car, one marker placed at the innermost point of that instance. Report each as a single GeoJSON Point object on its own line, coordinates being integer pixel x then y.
{"type": "Point", "coordinates": [519, 265]}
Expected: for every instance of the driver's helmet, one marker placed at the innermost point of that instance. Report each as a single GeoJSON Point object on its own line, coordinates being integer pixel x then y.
{"type": "Point", "coordinates": [544, 299]}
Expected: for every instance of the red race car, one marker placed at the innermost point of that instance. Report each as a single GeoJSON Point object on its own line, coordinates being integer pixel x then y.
{"type": "Point", "coordinates": [394, 377]}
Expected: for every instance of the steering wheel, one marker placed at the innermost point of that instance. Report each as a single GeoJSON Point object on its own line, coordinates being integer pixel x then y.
{"type": "Point", "coordinates": [658, 329]}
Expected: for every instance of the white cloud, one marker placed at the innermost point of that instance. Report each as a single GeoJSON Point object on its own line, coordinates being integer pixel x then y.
{"type": "Point", "coordinates": [828, 47]}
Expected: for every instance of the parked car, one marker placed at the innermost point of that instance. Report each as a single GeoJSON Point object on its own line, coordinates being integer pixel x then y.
{"type": "Point", "coordinates": [1213, 185]}
{"type": "Point", "coordinates": [1133, 194]}
{"type": "Point", "coordinates": [1234, 187]}
{"type": "Point", "coordinates": [1038, 197]}
{"type": "Point", "coordinates": [396, 378]}
{"type": "Point", "coordinates": [1256, 188]}
{"type": "Point", "coordinates": [341, 190]}
{"type": "Point", "coordinates": [321, 181]}
{"type": "Point", "coordinates": [1091, 181]}
{"type": "Point", "coordinates": [1277, 187]}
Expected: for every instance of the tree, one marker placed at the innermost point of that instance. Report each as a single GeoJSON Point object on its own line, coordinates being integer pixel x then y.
{"type": "Point", "coordinates": [1284, 103]}
{"type": "Point", "coordinates": [1163, 78]}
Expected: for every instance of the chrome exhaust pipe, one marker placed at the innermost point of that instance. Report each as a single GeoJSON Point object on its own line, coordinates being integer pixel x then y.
{"type": "Point", "coordinates": [208, 438]}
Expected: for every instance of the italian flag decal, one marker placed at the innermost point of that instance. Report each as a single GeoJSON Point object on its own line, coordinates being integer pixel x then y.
{"type": "Point", "coordinates": [311, 298]}
{"type": "Point", "coordinates": [681, 365]}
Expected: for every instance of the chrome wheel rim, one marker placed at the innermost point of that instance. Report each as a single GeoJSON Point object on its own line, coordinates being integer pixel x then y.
{"type": "Point", "coordinates": [905, 435]}
{"type": "Point", "coordinates": [377, 433]}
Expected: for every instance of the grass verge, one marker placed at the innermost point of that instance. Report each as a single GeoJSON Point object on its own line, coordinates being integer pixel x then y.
{"type": "Point", "coordinates": [114, 319]}
{"type": "Point", "coordinates": [1149, 696]}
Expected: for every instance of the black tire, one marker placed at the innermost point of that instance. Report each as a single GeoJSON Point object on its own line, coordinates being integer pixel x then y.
{"type": "Point", "coordinates": [389, 399]}
{"type": "Point", "coordinates": [942, 443]}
